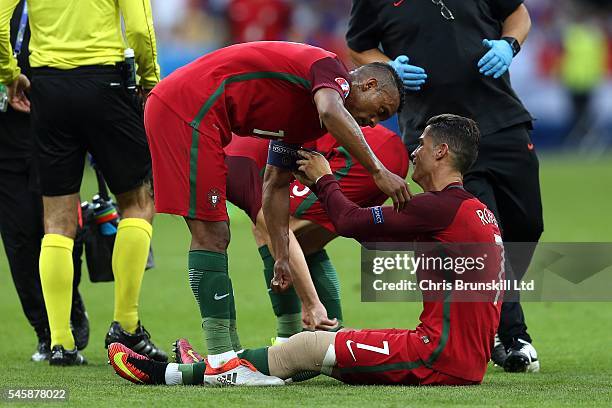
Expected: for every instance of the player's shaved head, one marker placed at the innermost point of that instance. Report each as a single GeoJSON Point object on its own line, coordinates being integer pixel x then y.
{"type": "Point", "coordinates": [460, 134]}
{"type": "Point", "coordinates": [376, 94]}
{"type": "Point", "coordinates": [388, 79]}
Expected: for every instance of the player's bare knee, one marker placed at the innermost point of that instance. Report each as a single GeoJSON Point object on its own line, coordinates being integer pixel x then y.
{"type": "Point", "coordinates": [137, 203]}
{"type": "Point", "coordinates": [61, 215]}
{"type": "Point", "coordinates": [209, 235]}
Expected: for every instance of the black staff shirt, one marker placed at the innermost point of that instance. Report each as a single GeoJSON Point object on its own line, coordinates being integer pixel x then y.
{"type": "Point", "coordinates": [449, 51]}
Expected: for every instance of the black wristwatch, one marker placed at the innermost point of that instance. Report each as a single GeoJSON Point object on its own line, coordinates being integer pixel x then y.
{"type": "Point", "coordinates": [514, 44]}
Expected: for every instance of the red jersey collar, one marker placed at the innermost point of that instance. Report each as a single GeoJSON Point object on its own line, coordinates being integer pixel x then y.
{"type": "Point", "coordinates": [456, 184]}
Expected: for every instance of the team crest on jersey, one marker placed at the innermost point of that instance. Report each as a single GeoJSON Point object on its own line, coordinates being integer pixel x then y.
{"type": "Point", "coordinates": [214, 197]}
{"type": "Point", "coordinates": [344, 85]}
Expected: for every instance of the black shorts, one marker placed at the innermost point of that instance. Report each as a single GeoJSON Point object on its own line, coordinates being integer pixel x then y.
{"type": "Point", "coordinates": [87, 109]}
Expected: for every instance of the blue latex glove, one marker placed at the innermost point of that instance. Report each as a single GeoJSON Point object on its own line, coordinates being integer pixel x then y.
{"type": "Point", "coordinates": [412, 76]}
{"type": "Point", "coordinates": [497, 60]}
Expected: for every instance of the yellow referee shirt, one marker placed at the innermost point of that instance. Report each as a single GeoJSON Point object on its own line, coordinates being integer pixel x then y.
{"type": "Point", "coordinates": [66, 34]}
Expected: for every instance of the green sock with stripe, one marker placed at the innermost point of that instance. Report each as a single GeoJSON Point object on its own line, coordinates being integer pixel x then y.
{"type": "Point", "coordinates": [232, 328]}
{"type": "Point", "coordinates": [257, 357]}
{"type": "Point", "coordinates": [210, 283]}
{"type": "Point", "coordinates": [192, 374]}
{"type": "Point", "coordinates": [325, 279]}
{"type": "Point", "coordinates": [286, 305]}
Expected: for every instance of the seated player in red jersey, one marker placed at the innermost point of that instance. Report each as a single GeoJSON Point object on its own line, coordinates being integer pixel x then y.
{"type": "Point", "coordinates": [288, 92]}
{"type": "Point", "coordinates": [452, 344]}
{"type": "Point", "coordinates": [314, 300]}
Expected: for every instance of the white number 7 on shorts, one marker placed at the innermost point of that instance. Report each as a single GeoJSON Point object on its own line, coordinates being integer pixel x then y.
{"type": "Point", "coordinates": [380, 350]}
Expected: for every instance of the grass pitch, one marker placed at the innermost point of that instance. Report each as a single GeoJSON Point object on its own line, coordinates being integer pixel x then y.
{"type": "Point", "coordinates": [573, 339]}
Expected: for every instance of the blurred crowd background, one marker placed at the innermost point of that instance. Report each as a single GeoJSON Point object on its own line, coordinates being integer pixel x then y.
{"type": "Point", "coordinates": [563, 74]}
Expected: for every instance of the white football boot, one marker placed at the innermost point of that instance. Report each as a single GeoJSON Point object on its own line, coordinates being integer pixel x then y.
{"type": "Point", "coordinates": [239, 372]}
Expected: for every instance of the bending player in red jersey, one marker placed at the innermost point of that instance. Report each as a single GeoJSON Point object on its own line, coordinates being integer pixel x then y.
{"type": "Point", "coordinates": [452, 344]}
{"type": "Point", "coordinates": [314, 300]}
{"type": "Point", "coordinates": [291, 93]}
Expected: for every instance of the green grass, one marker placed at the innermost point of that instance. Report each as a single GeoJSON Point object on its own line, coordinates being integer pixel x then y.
{"type": "Point", "coordinates": [572, 339]}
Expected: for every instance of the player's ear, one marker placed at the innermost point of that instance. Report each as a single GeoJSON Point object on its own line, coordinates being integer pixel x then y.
{"type": "Point", "coordinates": [371, 83]}
{"type": "Point", "coordinates": [441, 151]}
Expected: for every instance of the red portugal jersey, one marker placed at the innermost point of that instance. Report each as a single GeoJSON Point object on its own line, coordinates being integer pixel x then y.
{"type": "Point", "coordinates": [454, 338]}
{"type": "Point", "coordinates": [263, 89]}
{"type": "Point", "coordinates": [356, 182]}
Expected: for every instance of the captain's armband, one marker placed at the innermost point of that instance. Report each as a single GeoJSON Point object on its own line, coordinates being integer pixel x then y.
{"type": "Point", "coordinates": [283, 155]}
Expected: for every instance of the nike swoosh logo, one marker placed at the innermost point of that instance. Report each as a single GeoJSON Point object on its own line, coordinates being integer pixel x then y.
{"type": "Point", "coordinates": [118, 360]}
{"type": "Point", "coordinates": [348, 345]}
{"type": "Point", "coordinates": [398, 3]}
{"type": "Point", "coordinates": [217, 297]}
{"type": "Point", "coordinates": [195, 359]}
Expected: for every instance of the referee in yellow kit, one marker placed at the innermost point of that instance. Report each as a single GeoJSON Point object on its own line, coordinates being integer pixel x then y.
{"type": "Point", "coordinates": [83, 98]}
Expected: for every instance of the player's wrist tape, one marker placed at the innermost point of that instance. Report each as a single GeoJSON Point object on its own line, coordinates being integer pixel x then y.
{"type": "Point", "coordinates": [283, 155]}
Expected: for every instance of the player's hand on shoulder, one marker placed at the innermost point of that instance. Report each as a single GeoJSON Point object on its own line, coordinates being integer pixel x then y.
{"type": "Point", "coordinates": [281, 281]}
{"type": "Point", "coordinates": [312, 166]}
{"type": "Point", "coordinates": [315, 318]}
{"type": "Point", "coordinates": [497, 60]}
{"type": "Point", "coordinates": [303, 178]}
{"type": "Point", "coordinates": [412, 76]}
{"type": "Point", "coordinates": [394, 186]}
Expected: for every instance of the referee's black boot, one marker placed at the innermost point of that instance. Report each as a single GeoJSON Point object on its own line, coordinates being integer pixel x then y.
{"type": "Point", "coordinates": [140, 341]}
{"type": "Point", "coordinates": [62, 357]}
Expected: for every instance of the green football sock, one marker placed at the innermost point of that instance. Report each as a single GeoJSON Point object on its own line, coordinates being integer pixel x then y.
{"type": "Point", "coordinates": [210, 283]}
{"type": "Point", "coordinates": [193, 374]}
{"type": "Point", "coordinates": [257, 357]}
{"type": "Point", "coordinates": [286, 305]}
{"type": "Point", "coordinates": [232, 328]}
{"type": "Point", "coordinates": [325, 279]}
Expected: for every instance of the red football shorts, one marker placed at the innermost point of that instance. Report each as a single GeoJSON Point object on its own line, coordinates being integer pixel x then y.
{"type": "Point", "coordinates": [385, 356]}
{"type": "Point", "coordinates": [189, 171]}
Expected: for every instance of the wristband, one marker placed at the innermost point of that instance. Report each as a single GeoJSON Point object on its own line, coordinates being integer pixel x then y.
{"type": "Point", "coordinates": [514, 44]}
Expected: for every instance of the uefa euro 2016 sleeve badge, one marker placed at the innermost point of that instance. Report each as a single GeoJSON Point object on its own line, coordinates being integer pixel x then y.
{"type": "Point", "coordinates": [214, 197]}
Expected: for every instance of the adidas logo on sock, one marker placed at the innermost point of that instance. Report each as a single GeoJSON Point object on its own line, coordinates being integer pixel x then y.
{"type": "Point", "coordinates": [227, 379]}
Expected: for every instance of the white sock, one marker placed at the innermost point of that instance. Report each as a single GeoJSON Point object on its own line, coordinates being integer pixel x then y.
{"type": "Point", "coordinates": [218, 360]}
{"type": "Point", "coordinates": [329, 361]}
{"type": "Point", "coordinates": [173, 376]}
